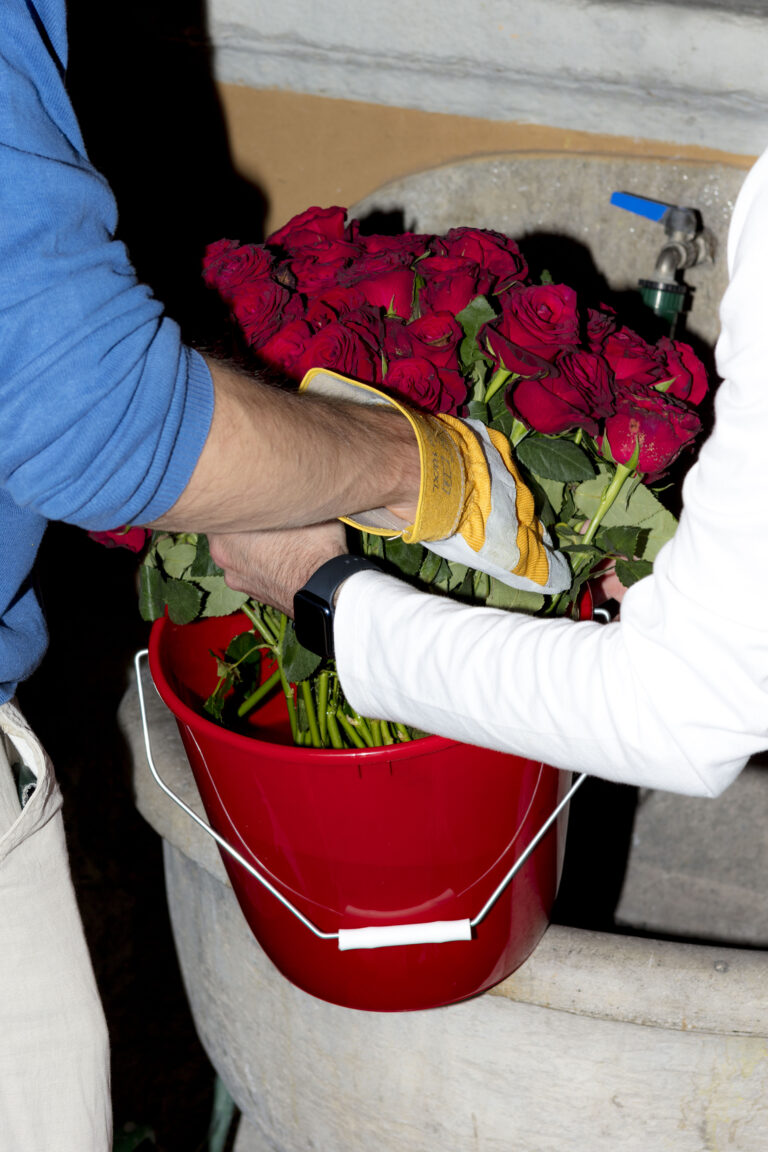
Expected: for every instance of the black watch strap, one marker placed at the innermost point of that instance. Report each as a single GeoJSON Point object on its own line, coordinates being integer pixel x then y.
{"type": "Point", "coordinates": [313, 608]}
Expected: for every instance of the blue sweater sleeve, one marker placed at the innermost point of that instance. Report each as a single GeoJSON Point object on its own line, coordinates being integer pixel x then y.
{"type": "Point", "coordinates": [103, 410]}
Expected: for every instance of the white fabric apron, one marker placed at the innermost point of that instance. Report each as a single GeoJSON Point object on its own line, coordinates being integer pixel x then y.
{"type": "Point", "coordinates": [54, 1056]}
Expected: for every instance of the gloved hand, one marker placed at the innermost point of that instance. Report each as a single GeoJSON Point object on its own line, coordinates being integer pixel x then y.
{"type": "Point", "coordinates": [473, 505]}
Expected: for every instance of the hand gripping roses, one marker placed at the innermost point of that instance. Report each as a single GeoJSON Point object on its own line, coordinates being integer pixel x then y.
{"type": "Point", "coordinates": [586, 414]}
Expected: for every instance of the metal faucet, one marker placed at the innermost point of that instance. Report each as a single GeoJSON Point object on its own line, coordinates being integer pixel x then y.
{"type": "Point", "coordinates": [687, 243]}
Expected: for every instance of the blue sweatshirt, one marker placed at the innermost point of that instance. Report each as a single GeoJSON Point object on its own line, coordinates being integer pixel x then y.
{"type": "Point", "coordinates": [103, 410]}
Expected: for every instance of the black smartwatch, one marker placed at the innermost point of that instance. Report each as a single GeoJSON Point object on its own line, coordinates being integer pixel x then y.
{"type": "Point", "coordinates": [313, 608]}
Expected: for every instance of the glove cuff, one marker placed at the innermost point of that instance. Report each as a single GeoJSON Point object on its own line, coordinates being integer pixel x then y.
{"type": "Point", "coordinates": [442, 487]}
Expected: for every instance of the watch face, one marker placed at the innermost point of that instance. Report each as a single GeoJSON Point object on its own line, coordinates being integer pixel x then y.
{"type": "Point", "coordinates": [314, 622]}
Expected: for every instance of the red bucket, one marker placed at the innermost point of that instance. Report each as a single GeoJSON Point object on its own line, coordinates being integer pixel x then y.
{"type": "Point", "coordinates": [410, 835]}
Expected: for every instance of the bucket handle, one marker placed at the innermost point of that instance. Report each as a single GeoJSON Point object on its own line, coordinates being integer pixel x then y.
{"type": "Point", "coordinates": [376, 936]}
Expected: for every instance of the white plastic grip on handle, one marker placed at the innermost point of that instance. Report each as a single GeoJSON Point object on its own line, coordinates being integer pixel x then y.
{"type": "Point", "coordinates": [393, 935]}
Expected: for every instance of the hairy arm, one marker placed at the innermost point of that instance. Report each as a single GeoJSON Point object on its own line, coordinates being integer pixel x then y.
{"type": "Point", "coordinates": [275, 460]}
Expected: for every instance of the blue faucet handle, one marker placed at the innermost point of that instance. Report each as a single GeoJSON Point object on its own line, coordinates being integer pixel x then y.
{"type": "Point", "coordinates": [651, 209]}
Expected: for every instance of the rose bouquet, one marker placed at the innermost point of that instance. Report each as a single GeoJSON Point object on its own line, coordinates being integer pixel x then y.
{"type": "Point", "coordinates": [595, 415]}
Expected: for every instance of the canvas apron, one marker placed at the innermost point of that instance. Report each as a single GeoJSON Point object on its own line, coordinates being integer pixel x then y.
{"type": "Point", "coordinates": [54, 1060]}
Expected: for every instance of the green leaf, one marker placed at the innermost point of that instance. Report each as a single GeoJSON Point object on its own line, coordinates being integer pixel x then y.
{"type": "Point", "coordinates": [244, 649]}
{"type": "Point", "coordinates": [406, 557]}
{"type": "Point", "coordinates": [620, 540]}
{"type": "Point", "coordinates": [548, 497]}
{"type": "Point", "coordinates": [372, 545]}
{"type": "Point", "coordinates": [184, 601]}
{"type": "Point", "coordinates": [505, 422]}
{"type": "Point", "coordinates": [555, 459]}
{"type": "Point", "coordinates": [298, 663]}
{"type": "Point", "coordinates": [430, 566]}
{"type": "Point", "coordinates": [478, 410]}
{"type": "Point", "coordinates": [458, 575]}
{"type": "Point", "coordinates": [203, 564]}
{"type": "Point", "coordinates": [152, 593]}
{"type": "Point", "coordinates": [222, 600]}
{"type": "Point", "coordinates": [443, 577]}
{"type": "Point", "coordinates": [635, 505]}
{"type": "Point", "coordinates": [515, 599]}
{"type": "Point", "coordinates": [179, 559]}
{"type": "Point", "coordinates": [478, 312]}
{"type": "Point", "coordinates": [216, 702]}
{"type": "Point", "coordinates": [630, 571]}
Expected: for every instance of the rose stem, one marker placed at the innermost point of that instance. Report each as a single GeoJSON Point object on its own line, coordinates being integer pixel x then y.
{"type": "Point", "coordinates": [361, 725]}
{"type": "Point", "coordinates": [610, 492]}
{"type": "Point", "coordinates": [333, 731]}
{"type": "Point", "coordinates": [309, 704]}
{"type": "Point", "coordinates": [351, 733]}
{"type": "Point", "coordinates": [286, 686]}
{"type": "Point", "coordinates": [257, 619]}
{"type": "Point", "coordinates": [386, 735]}
{"type": "Point", "coordinates": [322, 704]}
{"type": "Point", "coordinates": [251, 701]}
{"type": "Point", "coordinates": [500, 376]}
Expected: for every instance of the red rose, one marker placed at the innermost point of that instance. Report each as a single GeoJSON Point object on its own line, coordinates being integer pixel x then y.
{"type": "Point", "coordinates": [285, 348]}
{"type": "Point", "coordinates": [689, 376]}
{"type": "Point", "coordinates": [259, 309]}
{"type": "Point", "coordinates": [316, 277]}
{"type": "Point", "coordinates": [132, 538]}
{"type": "Point", "coordinates": [384, 280]}
{"type": "Point", "coordinates": [342, 348]}
{"type": "Point", "coordinates": [435, 337]}
{"type": "Point", "coordinates": [227, 265]}
{"type": "Point", "coordinates": [600, 324]}
{"type": "Point", "coordinates": [408, 245]}
{"type": "Point", "coordinates": [578, 397]}
{"type": "Point", "coordinates": [422, 384]}
{"type": "Point", "coordinates": [490, 250]}
{"type": "Point", "coordinates": [310, 228]}
{"type": "Point", "coordinates": [450, 282]}
{"type": "Point", "coordinates": [661, 426]}
{"type": "Point", "coordinates": [506, 354]}
{"type": "Point", "coordinates": [634, 363]}
{"type": "Point", "coordinates": [369, 324]}
{"type": "Point", "coordinates": [318, 313]}
{"type": "Point", "coordinates": [541, 318]}
{"type": "Point", "coordinates": [397, 341]}
{"type": "Point", "coordinates": [342, 300]}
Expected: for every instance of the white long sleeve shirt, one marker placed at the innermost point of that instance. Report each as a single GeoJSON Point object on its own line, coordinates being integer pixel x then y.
{"type": "Point", "coordinates": [675, 695]}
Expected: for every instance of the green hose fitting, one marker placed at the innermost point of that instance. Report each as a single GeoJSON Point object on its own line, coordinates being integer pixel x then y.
{"type": "Point", "coordinates": [665, 299]}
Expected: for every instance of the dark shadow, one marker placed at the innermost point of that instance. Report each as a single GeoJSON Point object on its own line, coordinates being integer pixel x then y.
{"type": "Point", "coordinates": [600, 824]}
{"type": "Point", "coordinates": [141, 83]}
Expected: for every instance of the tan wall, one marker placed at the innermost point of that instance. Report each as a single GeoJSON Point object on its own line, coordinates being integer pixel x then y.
{"type": "Point", "coordinates": [304, 150]}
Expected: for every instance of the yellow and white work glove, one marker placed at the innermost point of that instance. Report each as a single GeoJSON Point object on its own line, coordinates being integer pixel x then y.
{"type": "Point", "coordinates": [473, 506]}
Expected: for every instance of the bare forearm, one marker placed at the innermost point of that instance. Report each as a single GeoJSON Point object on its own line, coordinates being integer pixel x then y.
{"type": "Point", "coordinates": [277, 460]}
